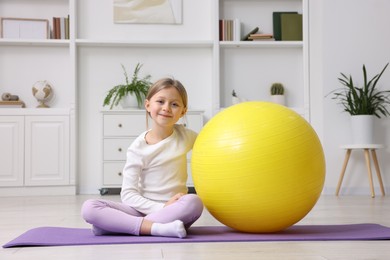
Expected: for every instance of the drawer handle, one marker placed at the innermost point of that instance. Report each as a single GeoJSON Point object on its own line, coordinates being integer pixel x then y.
{"type": "Point", "coordinates": [119, 125]}
{"type": "Point", "coordinates": [119, 173]}
{"type": "Point", "coordinates": [120, 149]}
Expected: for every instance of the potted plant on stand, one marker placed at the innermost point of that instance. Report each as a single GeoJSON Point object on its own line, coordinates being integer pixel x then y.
{"type": "Point", "coordinates": [130, 94]}
{"type": "Point", "coordinates": [363, 104]}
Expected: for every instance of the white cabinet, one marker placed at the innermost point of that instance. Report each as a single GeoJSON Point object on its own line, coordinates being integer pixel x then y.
{"type": "Point", "coordinates": [120, 128]}
{"type": "Point", "coordinates": [35, 153]}
{"type": "Point", "coordinates": [46, 150]}
{"type": "Point", "coordinates": [11, 150]}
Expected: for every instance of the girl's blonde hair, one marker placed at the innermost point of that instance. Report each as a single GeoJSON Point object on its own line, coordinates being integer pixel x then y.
{"type": "Point", "coordinates": [165, 83]}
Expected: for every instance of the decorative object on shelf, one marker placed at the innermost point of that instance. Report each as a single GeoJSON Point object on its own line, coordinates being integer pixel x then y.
{"type": "Point", "coordinates": [363, 102]}
{"type": "Point", "coordinates": [236, 99]}
{"type": "Point", "coordinates": [9, 97]}
{"type": "Point", "coordinates": [10, 101]}
{"type": "Point", "coordinates": [136, 88]}
{"type": "Point", "coordinates": [253, 31]}
{"type": "Point", "coordinates": [22, 28]}
{"type": "Point", "coordinates": [43, 92]}
{"type": "Point", "coordinates": [277, 93]}
{"type": "Point", "coordinates": [148, 12]}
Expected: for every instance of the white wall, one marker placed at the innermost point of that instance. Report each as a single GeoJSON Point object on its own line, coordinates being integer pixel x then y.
{"type": "Point", "coordinates": [345, 35]}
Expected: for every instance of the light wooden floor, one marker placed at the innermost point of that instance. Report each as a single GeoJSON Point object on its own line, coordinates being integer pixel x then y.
{"type": "Point", "coordinates": [17, 215]}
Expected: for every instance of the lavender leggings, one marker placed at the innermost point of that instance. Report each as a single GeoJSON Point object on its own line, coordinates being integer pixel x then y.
{"type": "Point", "coordinates": [115, 217]}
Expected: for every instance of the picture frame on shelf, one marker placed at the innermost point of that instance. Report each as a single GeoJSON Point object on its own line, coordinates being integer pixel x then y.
{"type": "Point", "coordinates": [24, 28]}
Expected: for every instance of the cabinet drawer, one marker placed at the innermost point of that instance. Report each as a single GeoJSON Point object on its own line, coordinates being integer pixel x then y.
{"type": "Point", "coordinates": [124, 125]}
{"type": "Point", "coordinates": [115, 149]}
{"type": "Point", "coordinates": [112, 173]}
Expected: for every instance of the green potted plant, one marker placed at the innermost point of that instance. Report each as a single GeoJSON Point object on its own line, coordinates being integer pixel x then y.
{"type": "Point", "coordinates": [365, 100]}
{"type": "Point", "coordinates": [277, 93]}
{"type": "Point", "coordinates": [363, 104]}
{"type": "Point", "coordinates": [137, 88]}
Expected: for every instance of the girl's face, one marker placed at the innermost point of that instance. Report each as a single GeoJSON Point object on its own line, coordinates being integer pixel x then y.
{"type": "Point", "coordinates": [165, 107]}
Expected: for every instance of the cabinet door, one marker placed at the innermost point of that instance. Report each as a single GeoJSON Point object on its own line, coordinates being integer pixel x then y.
{"type": "Point", "coordinates": [47, 150]}
{"type": "Point", "coordinates": [11, 150]}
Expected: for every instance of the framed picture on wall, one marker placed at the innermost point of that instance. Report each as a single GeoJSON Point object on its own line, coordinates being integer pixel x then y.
{"type": "Point", "coordinates": [23, 28]}
{"type": "Point", "coordinates": [148, 12]}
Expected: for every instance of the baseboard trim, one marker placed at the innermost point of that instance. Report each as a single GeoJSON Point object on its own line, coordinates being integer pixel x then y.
{"type": "Point", "coordinates": [37, 191]}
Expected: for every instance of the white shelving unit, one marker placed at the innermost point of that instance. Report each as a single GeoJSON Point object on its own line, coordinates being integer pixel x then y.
{"type": "Point", "coordinates": [83, 68]}
{"type": "Point", "coordinates": [250, 67]}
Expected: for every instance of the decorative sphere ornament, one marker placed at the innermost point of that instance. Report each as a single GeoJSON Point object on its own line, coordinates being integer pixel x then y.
{"type": "Point", "coordinates": [42, 91]}
{"type": "Point", "coordinates": [258, 167]}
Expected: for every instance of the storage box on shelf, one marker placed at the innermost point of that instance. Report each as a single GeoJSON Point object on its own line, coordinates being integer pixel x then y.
{"type": "Point", "coordinates": [120, 128]}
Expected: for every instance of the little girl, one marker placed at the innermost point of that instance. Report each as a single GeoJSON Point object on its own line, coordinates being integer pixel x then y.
{"type": "Point", "coordinates": [154, 193]}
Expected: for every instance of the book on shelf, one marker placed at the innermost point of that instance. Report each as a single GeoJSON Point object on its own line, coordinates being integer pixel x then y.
{"type": "Point", "coordinates": [229, 30]}
{"type": "Point", "coordinates": [261, 36]}
{"type": "Point", "coordinates": [277, 26]}
{"type": "Point", "coordinates": [291, 27]}
{"type": "Point", "coordinates": [60, 28]}
{"type": "Point", "coordinates": [12, 104]}
{"type": "Point", "coordinates": [264, 39]}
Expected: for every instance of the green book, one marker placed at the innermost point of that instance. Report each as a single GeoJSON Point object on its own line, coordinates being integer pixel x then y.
{"type": "Point", "coordinates": [291, 27]}
{"type": "Point", "coordinates": [277, 24]}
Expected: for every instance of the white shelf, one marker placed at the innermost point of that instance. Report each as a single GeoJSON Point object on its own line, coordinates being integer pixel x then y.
{"type": "Point", "coordinates": [33, 42]}
{"type": "Point", "coordinates": [145, 44]}
{"type": "Point", "coordinates": [260, 44]}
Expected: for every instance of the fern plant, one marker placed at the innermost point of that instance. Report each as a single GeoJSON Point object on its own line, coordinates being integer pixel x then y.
{"type": "Point", "coordinates": [137, 86]}
{"type": "Point", "coordinates": [365, 100]}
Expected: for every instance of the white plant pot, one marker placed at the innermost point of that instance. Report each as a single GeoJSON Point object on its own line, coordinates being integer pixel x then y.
{"type": "Point", "coordinates": [129, 101]}
{"type": "Point", "coordinates": [278, 99]}
{"type": "Point", "coordinates": [362, 129]}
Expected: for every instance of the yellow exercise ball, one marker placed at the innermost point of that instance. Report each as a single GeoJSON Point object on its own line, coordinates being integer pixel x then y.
{"type": "Point", "coordinates": [258, 167]}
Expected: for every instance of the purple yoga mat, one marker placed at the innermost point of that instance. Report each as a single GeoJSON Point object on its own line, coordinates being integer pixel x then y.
{"type": "Point", "coordinates": [59, 236]}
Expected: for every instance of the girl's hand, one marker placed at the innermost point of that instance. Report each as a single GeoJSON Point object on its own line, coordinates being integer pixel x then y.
{"type": "Point", "coordinates": [174, 199]}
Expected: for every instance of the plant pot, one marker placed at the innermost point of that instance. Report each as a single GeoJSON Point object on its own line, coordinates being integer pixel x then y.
{"type": "Point", "coordinates": [362, 127]}
{"type": "Point", "coordinates": [129, 101]}
{"type": "Point", "coordinates": [278, 99]}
